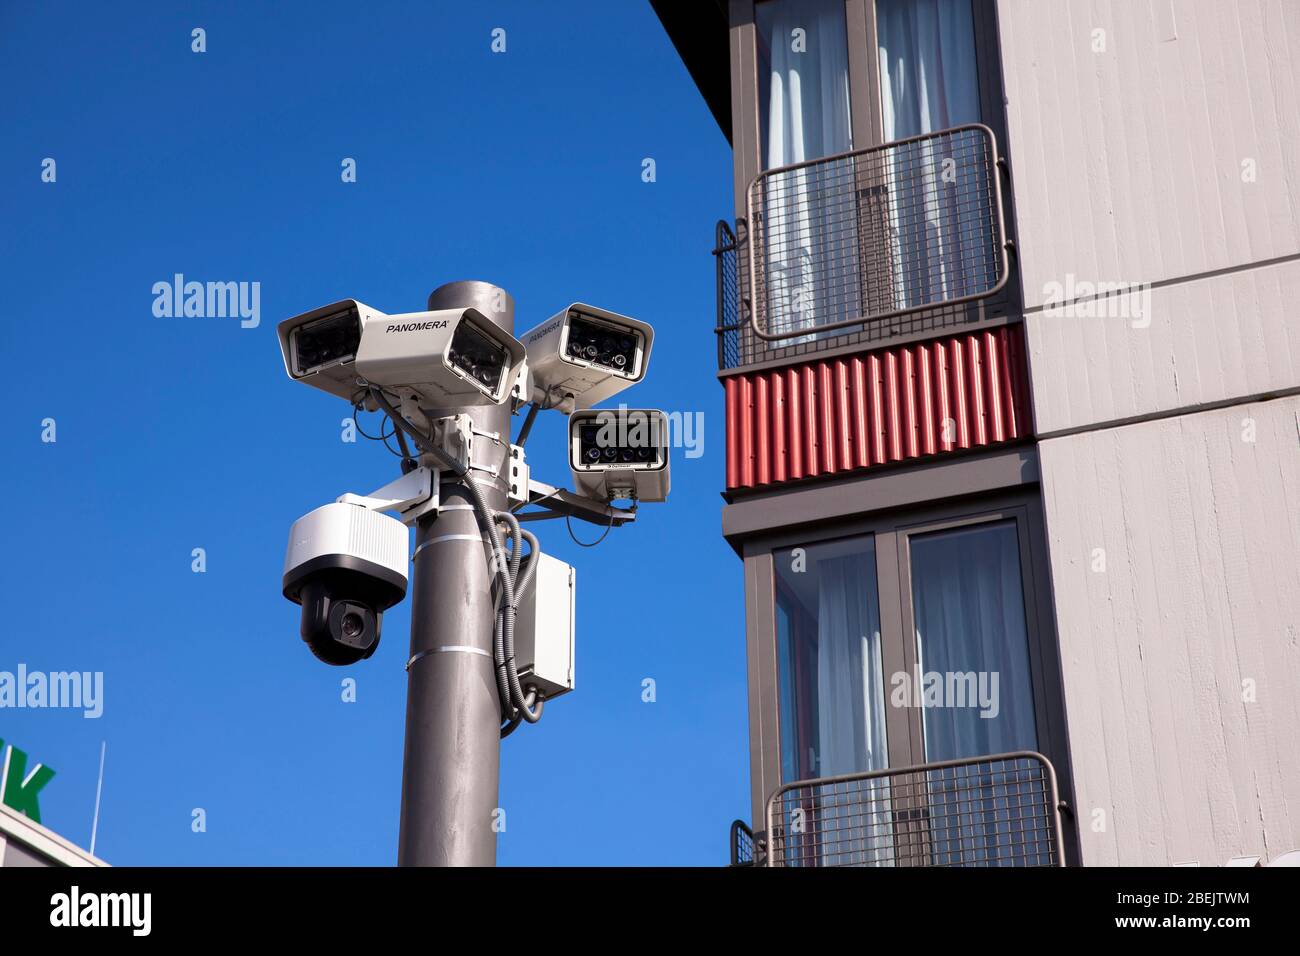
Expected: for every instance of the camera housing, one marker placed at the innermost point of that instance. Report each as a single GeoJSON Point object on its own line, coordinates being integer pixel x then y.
{"type": "Point", "coordinates": [448, 357]}
{"type": "Point", "coordinates": [619, 453]}
{"type": "Point", "coordinates": [319, 347]}
{"type": "Point", "coordinates": [345, 565]}
{"type": "Point", "coordinates": [585, 355]}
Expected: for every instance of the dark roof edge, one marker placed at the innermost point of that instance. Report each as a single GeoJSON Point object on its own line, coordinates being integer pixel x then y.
{"type": "Point", "coordinates": [698, 30]}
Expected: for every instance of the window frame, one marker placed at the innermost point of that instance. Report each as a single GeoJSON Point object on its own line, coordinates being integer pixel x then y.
{"type": "Point", "coordinates": [865, 112]}
{"type": "Point", "coordinates": [891, 532]}
{"type": "Point", "coordinates": [866, 123]}
{"type": "Point", "coordinates": [1019, 515]}
{"type": "Point", "coordinates": [807, 620]}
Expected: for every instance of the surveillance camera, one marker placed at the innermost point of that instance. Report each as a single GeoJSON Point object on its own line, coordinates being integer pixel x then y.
{"type": "Point", "coordinates": [619, 453]}
{"type": "Point", "coordinates": [584, 355]}
{"type": "Point", "coordinates": [444, 358]}
{"type": "Point", "coordinates": [320, 347]}
{"type": "Point", "coordinates": [450, 357]}
{"type": "Point", "coordinates": [345, 565]}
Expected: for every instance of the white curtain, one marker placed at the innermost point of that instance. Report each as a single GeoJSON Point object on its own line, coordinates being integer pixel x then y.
{"type": "Point", "coordinates": [850, 687]}
{"type": "Point", "coordinates": [851, 711]}
{"type": "Point", "coordinates": [929, 82]}
{"type": "Point", "coordinates": [809, 231]}
{"type": "Point", "coordinates": [968, 601]}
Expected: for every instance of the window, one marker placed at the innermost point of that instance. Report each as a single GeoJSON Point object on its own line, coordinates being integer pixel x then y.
{"type": "Point", "coordinates": [926, 59]}
{"type": "Point", "coordinates": [803, 80]}
{"type": "Point", "coordinates": [909, 639]}
{"type": "Point", "coordinates": [900, 226]}
{"type": "Point", "coordinates": [832, 706]}
{"type": "Point", "coordinates": [946, 662]}
{"type": "Point", "coordinates": [803, 110]}
{"type": "Point", "coordinates": [937, 191]}
{"type": "Point", "coordinates": [968, 614]}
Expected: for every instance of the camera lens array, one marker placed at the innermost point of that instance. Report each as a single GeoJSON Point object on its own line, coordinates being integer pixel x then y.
{"type": "Point", "coordinates": [611, 348]}
{"type": "Point", "coordinates": [326, 341]}
{"type": "Point", "coordinates": [477, 356]}
{"type": "Point", "coordinates": [594, 448]}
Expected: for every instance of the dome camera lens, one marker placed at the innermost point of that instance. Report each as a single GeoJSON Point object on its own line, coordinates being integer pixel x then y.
{"type": "Point", "coordinates": [352, 624]}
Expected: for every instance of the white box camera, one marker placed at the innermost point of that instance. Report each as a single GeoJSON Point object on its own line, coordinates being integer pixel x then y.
{"type": "Point", "coordinates": [619, 453]}
{"type": "Point", "coordinates": [585, 355]}
{"type": "Point", "coordinates": [445, 358]}
{"type": "Point", "coordinates": [320, 347]}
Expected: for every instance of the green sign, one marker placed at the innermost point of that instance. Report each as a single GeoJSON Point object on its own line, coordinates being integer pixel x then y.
{"type": "Point", "coordinates": [19, 786]}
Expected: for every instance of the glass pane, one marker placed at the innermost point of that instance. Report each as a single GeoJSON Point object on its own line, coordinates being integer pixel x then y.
{"type": "Point", "coordinates": [937, 194]}
{"type": "Point", "coordinates": [809, 216]}
{"type": "Point", "coordinates": [973, 677]}
{"type": "Point", "coordinates": [971, 643]}
{"type": "Point", "coordinates": [928, 77]}
{"type": "Point", "coordinates": [832, 701]}
{"type": "Point", "coordinates": [803, 80]}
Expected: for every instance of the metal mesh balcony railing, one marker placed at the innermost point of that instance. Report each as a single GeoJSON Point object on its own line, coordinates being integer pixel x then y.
{"type": "Point", "coordinates": [742, 844]}
{"type": "Point", "coordinates": [1001, 810]}
{"type": "Point", "coordinates": [863, 244]}
{"type": "Point", "coordinates": [725, 248]}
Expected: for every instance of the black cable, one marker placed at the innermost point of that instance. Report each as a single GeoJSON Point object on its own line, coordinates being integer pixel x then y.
{"type": "Point", "coordinates": [531, 417]}
{"type": "Point", "coordinates": [395, 451]}
{"type": "Point", "coordinates": [585, 544]}
{"type": "Point", "coordinates": [356, 408]}
{"type": "Point", "coordinates": [421, 441]}
{"type": "Point", "coordinates": [401, 441]}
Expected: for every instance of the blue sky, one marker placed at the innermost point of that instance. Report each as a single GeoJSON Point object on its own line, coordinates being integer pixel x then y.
{"type": "Point", "coordinates": [522, 168]}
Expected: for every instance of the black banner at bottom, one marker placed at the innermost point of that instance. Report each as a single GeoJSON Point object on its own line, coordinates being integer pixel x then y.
{"type": "Point", "coordinates": [538, 907]}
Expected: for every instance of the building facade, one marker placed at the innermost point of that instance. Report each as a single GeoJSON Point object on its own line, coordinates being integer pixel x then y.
{"type": "Point", "coordinates": [1011, 362]}
{"type": "Point", "coordinates": [24, 842]}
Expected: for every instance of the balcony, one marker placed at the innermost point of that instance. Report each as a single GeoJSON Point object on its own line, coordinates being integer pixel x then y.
{"type": "Point", "coordinates": [1001, 810]}
{"type": "Point", "coordinates": [901, 239]}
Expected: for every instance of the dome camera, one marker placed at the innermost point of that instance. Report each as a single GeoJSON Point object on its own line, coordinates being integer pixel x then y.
{"type": "Point", "coordinates": [345, 565]}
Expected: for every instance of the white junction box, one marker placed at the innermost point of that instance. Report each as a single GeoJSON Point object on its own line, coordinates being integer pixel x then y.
{"type": "Point", "coordinates": [544, 629]}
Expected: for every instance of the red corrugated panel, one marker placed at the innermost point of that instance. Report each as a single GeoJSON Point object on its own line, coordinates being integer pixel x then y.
{"type": "Point", "coordinates": [825, 417]}
{"type": "Point", "coordinates": [732, 387]}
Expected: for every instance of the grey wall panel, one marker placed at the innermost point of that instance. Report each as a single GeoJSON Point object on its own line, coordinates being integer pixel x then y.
{"type": "Point", "coordinates": [1127, 167]}
{"type": "Point", "coordinates": [1128, 162]}
{"type": "Point", "coordinates": [1198, 604]}
{"type": "Point", "coordinates": [1197, 343]}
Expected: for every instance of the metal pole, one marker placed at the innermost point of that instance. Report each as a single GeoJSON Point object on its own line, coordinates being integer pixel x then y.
{"type": "Point", "coordinates": [451, 764]}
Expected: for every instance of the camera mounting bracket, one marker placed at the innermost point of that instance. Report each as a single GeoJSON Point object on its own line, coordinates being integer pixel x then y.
{"type": "Point", "coordinates": [412, 496]}
{"type": "Point", "coordinates": [560, 503]}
